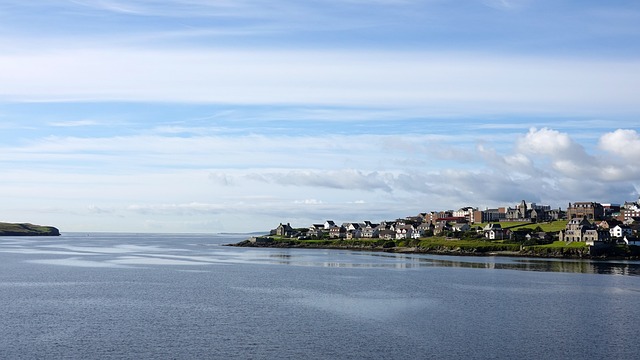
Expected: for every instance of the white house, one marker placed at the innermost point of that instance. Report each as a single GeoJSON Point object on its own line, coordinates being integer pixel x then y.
{"type": "Point", "coordinates": [316, 230]}
{"type": "Point", "coordinates": [329, 224]}
{"type": "Point", "coordinates": [370, 231]}
{"type": "Point", "coordinates": [493, 231]}
{"type": "Point", "coordinates": [406, 232]}
{"type": "Point", "coordinates": [619, 231]}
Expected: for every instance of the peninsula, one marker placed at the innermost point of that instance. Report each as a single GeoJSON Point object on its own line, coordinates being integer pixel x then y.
{"type": "Point", "coordinates": [26, 229]}
{"type": "Point", "coordinates": [586, 230]}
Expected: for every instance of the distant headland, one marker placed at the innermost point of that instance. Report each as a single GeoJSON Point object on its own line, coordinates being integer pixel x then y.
{"type": "Point", "coordinates": [26, 229]}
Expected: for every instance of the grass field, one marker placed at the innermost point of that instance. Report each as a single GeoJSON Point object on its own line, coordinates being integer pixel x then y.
{"type": "Point", "coordinates": [480, 245]}
{"type": "Point", "coordinates": [553, 226]}
{"type": "Point", "coordinates": [436, 242]}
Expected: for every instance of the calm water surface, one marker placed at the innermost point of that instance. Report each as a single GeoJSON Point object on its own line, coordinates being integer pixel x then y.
{"type": "Point", "coordinates": [82, 296]}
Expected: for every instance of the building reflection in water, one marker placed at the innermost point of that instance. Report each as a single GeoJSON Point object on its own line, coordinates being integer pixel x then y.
{"type": "Point", "coordinates": [346, 259]}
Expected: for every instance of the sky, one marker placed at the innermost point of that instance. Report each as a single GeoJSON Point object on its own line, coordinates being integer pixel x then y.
{"type": "Point", "coordinates": [234, 116]}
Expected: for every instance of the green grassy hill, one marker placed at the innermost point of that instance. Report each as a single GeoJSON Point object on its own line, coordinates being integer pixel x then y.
{"type": "Point", "coordinates": [553, 226]}
{"type": "Point", "coordinates": [9, 229]}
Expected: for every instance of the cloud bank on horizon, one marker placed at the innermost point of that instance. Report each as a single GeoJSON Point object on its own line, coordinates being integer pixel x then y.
{"type": "Point", "coordinates": [201, 116]}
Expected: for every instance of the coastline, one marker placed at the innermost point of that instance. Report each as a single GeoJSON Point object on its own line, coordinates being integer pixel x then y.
{"type": "Point", "coordinates": [529, 252]}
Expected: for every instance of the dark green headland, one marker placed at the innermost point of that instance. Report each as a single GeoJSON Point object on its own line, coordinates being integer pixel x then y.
{"type": "Point", "coordinates": [9, 229]}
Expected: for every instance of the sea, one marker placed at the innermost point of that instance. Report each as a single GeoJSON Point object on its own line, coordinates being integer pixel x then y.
{"type": "Point", "coordinates": [187, 296]}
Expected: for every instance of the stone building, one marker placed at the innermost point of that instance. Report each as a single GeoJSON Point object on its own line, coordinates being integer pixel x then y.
{"type": "Point", "coordinates": [584, 231]}
{"type": "Point", "coordinates": [489, 215]}
{"type": "Point", "coordinates": [590, 210]}
{"type": "Point", "coordinates": [284, 230]}
{"type": "Point", "coordinates": [531, 212]}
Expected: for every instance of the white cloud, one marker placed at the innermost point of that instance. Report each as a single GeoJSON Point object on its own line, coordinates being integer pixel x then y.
{"type": "Point", "coordinates": [179, 209]}
{"type": "Point", "coordinates": [74, 123]}
{"type": "Point", "coordinates": [461, 83]}
{"type": "Point", "coordinates": [99, 210]}
{"type": "Point", "coordinates": [574, 169]}
{"type": "Point", "coordinates": [546, 142]}
{"type": "Point", "coordinates": [565, 155]}
{"type": "Point", "coordinates": [509, 5]}
{"type": "Point", "coordinates": [624, 143]}
{"type": "Point", "coordinates": [222, 178]}
{"type": "Point", "coordinates": [123, 182]}
{"type": "Point", "coordinates": [518, 161]}
{"type": "Point", "coordinates": [171, 8]}
{"type": "Point", "coordinates": [191, 8]}
{"type": "Point", "coordinates": [340, 179]}
{"type": "Point", "coordinates": [424, 136]}
{"type": "Point", "coordinates": [308, 202]}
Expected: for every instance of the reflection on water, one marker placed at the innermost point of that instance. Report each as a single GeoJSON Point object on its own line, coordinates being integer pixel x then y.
{"type": "Point", "coordinates": [588, 267]}
{"type": "Point", "coordinates": [125, 251]}
{"type": "Point", "coordinates": [404, 261]}
{"type": "Point", "coordinates": [571, 266]}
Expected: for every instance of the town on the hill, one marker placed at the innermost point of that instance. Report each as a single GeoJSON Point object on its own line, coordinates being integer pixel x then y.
{"type": "Point", "coordinates": [594, 224]}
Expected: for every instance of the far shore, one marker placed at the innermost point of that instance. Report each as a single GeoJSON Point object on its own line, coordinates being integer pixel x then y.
{"type": "Point", "coordinates": [27, 229]}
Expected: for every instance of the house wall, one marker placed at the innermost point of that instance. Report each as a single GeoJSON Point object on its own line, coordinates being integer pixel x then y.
{"type": "Point", "coordinates": [629, 213]}
{"type": "Point", "coordinates": [590, 210]}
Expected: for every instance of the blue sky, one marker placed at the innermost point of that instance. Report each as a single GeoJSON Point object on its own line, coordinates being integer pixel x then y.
{"type": "Point", "coordinates": [214, 116]}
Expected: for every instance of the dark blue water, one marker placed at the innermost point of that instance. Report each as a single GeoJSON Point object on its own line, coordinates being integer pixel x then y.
{"type": "Point", "coordinates": [186, 296]}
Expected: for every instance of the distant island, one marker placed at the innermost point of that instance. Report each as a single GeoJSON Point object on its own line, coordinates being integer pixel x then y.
{"type": "Point", "coordinates": [26, 229]}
